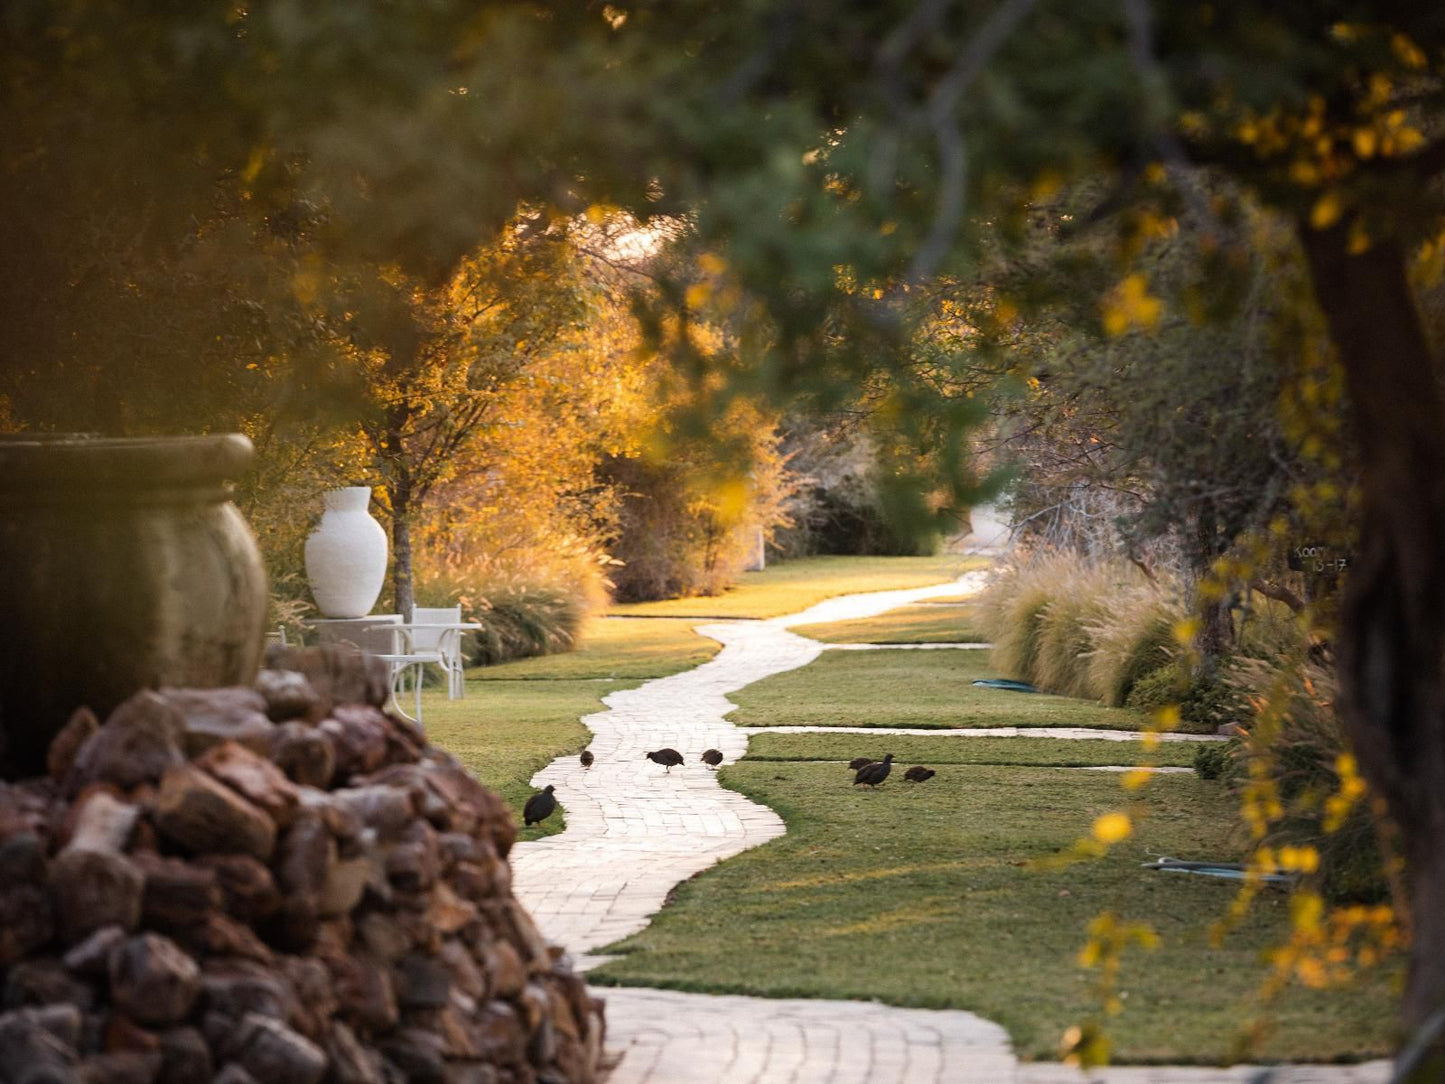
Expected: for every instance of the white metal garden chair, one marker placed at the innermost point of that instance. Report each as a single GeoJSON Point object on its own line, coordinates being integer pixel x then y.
{"type": "Point", "coordinates": [435, 632]}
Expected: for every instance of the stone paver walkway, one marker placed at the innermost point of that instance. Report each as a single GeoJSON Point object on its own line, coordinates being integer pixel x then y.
{"type": "Point", "coordinates": [635, 831]}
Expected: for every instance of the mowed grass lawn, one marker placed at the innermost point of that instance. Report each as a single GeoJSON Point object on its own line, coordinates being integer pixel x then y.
{"type": "Point", "coordinates": [791, 586]}
{"type": "Point", "coordinates": [954, 621]}
{"type": "Point", "coordinates": [892, 688]}
{"type": "Point", "coordinates": [925, 895]}
{"type": "Point", "coordinates": [941, 751]}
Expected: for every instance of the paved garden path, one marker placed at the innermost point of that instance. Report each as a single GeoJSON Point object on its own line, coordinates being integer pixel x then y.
{"type": "Point", "coordinates": [635, 831]}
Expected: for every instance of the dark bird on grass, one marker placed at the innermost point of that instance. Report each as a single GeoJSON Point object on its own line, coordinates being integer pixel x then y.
{"type": "Point", "coordinates": [587, 758]}
{"type": "Point", "coordinates": [860, 762]}
{"type": "Point", "coordinates": [875, 773]}
{"type": "Point", "coordinates": [711, 757]}
{"type": "Point", "coordinates": [539, 807]}
{"type": "Point", "coordinates": [666, 757]}
{"type": "Point", "coordinates": [918, 774]}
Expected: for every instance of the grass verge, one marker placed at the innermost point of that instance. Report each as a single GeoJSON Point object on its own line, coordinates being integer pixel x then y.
{"type": "Point", "coordinates": [791, 586]}
{"type": "Point", "coordinates": [862, 688]}
{"type": "Point", "coordinates": [940, 751]}
{"type": "Point", "coordinates": [925, 897]}
{"type": "Point", "coordinates": [922, 623]}
{"type": "Point", "coordinates": [613, 647]}
{"type": "Point", "coordinates": [504, 732]}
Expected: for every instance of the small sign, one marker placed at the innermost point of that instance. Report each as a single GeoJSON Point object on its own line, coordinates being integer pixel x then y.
{"type": "Point", "coordinates": [1317, 558]}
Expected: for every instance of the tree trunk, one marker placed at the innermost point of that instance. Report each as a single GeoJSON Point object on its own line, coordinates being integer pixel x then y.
{"type": "Point", "coordinates": [1216, 630]}
{"type": "Point", "coordinates": [1392, 621]}
{"type": "Point", "coordinates": [400, 497]}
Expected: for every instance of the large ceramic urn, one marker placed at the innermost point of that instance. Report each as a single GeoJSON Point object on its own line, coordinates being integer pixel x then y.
{"type": "Point", "coordinates": [123, 565]}
{"type": "Point", "coordinates": [346, 555]}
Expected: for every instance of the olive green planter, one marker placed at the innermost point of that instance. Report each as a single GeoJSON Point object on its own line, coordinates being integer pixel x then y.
{"type": "Point", "coordinates": [123, 565]}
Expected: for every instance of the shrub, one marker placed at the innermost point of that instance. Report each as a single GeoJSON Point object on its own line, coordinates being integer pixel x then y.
{"type": "Point", "coordinates": [1133, 639]}
{"type": "Point", "coordinates": [1206, 703]}
{"type": "Point", "coordinates": [1218, 760]}
{"type": "Point", "coordinates": [519, 619]}
{"type": "Point", "coordinates": [1299, 749]}
{"type": "Point", "coordinates": [676, 537]}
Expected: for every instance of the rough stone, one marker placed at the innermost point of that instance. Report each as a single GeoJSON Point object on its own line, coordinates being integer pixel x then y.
{"type": "Point", "coordinates": [304, 753]}
{"type": "Point", "coordinates": [272, 1052]}
{"type": "Point", "coordinates": [91, 889]}
{"type": "Point", "coordinates": [153, 981]}
{"type": "Point", "coordinates": [254, 777]}
{"type": "Point", "coordinates": [202, 815]}
{"type": "Point", "coordinates": [139, 741]}
{"type": "Point", "coordinates": [65, 746]}
{"type": "Point", "coordinates": [213, 716]}
{"type": "Point", "coordinates": [288, 695]}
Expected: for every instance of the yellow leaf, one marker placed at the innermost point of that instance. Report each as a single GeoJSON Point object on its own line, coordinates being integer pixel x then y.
{"type": "Point", "coordinates": [712, 264]}
{"type": "Point", "coordinates": [1304, 172]}
{"type": "Point", "coordinates": [697, 294]}
{"type": "Point", "coordinates": [1131, 305]}
{"type": "Point", "coordinates": [1366, 142]}
{"type": "Point", "coordinates": [1359, 239]}
{"type": "Point", "coordinates": [1112, 827]}
{"type": "Point", "coordinates": [1327, 210]}
{"type": "Point", "coordinates": [1136, 778]}
{"type": "Point", "coordinates": [1305, 911]}
{"type": "Point", "coordinates": [1409, 53]}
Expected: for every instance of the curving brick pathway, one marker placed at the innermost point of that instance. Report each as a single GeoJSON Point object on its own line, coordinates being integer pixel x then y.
{"type": "Point", "coordinates": [635, 831]}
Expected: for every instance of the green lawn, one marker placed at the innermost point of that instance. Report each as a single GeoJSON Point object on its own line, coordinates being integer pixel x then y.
{"type": "Point", "coordinates": [923, 895]}
{"type": "Point", "coordinates": [614, 647]}
{"type": "Point", "coordinates": [922, 623]}
{"type": "Point", "coordinates": [507, 731]}
{"type": "Point", "coordinates": [910, 689]}
{"type": "Point", "coordinates": [790, 586]}
{"type": "Point", "coordinates": [941, 751]}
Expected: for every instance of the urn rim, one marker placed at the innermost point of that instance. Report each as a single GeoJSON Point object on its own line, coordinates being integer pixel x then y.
{"type": "Point", "coordinates": [43, 463]}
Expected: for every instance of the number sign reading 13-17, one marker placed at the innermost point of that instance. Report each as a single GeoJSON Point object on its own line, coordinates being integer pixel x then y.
{"type": "Point", "coordinates": [1317, 558]}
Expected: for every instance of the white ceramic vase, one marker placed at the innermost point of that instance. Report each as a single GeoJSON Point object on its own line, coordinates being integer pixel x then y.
{"type": "Point", "coordinates": [346, 555]}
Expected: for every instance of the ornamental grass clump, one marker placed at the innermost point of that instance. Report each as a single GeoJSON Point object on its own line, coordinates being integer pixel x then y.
{"type": "Point", "coordinates": [1079, 627]}
{"type": "Point", "coordinates": [1133, 639]}
{"type": "Point", "coordinates": [520, 617]}
{"type": "Point", "coordinates": [1013, 612]}
{"type": "Point", "coordinates": [1080, 601]}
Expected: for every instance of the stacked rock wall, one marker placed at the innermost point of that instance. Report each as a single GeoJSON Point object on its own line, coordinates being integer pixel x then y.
{"type": "Point", "coordinates": [281, 884]}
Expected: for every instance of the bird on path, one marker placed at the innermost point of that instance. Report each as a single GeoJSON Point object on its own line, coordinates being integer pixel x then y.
{"type": "Point", "coordinates": [860, 762]}
{"type": "Point", "coordinates": [587, 758]}
{"type": "Point", "coordinates": [666, 757]}
{"type": "Point", "coordinates": [918, 774]}
{"type": "Point", "coordinates": [539, 807]}
{"type": "Point", "coordinates": [711, 757]}
{"type": "Point", "coordinates": [873, 774]}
